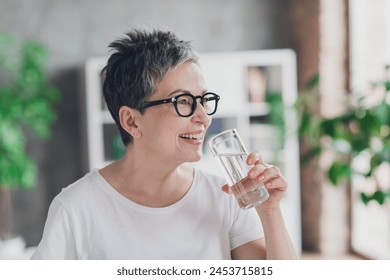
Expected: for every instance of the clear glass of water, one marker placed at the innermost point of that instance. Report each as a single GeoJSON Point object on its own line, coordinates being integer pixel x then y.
{"type": "Point", "coordinates": [229, 151]}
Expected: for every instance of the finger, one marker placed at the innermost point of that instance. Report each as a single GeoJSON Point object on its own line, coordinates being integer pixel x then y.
{"type": "Point", "coordinates": [254, 158]}
{"type": "Point", "coordinates": [276, 183]}
{"type": "Point", "coordinates": [227, 189]}
{"type": "Point", "coordinates": [257, 169]}
{"type": "Point", "coordinates": [269, 173]}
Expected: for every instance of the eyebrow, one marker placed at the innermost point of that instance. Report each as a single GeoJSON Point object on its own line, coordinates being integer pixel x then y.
{"type": "Point", "coordinates": [178, 91]}
{"type": "Point", "coordinates": [184, 91]}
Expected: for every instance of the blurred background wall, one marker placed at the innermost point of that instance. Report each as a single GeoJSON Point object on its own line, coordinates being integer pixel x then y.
{"type": "Point", "coordinates": [74, 30]}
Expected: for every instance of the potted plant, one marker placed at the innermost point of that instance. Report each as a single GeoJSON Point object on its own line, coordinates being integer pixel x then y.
{"type": "Point", "coordinates": [27, 102]}
{"type": "Point", "coordinates": [360, 134]}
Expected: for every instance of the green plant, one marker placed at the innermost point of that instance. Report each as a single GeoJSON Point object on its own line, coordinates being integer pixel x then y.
{"type": "Point", "coordinates": [27, 102]}
{"type": "Point", "coordinates": [361, 133]}
{"type": "Point", "coordinates": [277, 113]}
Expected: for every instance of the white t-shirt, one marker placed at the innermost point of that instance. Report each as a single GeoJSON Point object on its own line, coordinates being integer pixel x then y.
{"type": "Point", "coordinates": [91, 220]}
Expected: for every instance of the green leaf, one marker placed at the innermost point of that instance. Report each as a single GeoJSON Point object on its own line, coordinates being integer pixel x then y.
{"type": "Point", "coordinates": [339, 171]}
{"type": "Point", "coordinates": [382, 113]}
{"type": "Point", "coordinates": [359, 143]}
{"type": "Point", "coordinates": [364, 198]}
{"type": "Point", "coordinates": [28, 175]}
{"type": "Point", "coordinates": [304, 126]}
{"type": "Point", "coordinates": [379, 196]}
{"type": "Point", "coordinates": [34, 51]}
{"type": "Point", "coordinates": [17, 170]}
{"type": "Point", "coordinates": [313, 82]}
{"type": "Point", "coordinates": [333, 174]}
{"type": "Point", "coordinates": [30, 80]}
{"type": "Point", "coordinates": [328, 127]}
{"type": "Point", "coordinates": [10, 104]}
{"type": "Point", "coordinates": [368, 122]}
{"type": "Point", "coordinates": [11, 138]}
{"type": "Point", "coordinates": [387, 85]}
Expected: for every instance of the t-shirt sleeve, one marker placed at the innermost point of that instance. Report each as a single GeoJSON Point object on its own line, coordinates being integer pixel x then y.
{"type": "Point", "coordinates": [243, 225]}
{"type": "Point", "coordinates": [245, 228]}
{"type": "Point", "coordinates": [57, 241]}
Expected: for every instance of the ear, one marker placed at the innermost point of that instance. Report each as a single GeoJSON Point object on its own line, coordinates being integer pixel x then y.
{"type": "Point", "coordinates": [129, 121]}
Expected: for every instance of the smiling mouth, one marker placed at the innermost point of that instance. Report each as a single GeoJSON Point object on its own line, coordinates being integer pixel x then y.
{"type": "Point", "coordinates": [191, 136]}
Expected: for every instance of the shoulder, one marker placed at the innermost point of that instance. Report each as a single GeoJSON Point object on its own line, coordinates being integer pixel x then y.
{"type": "Point", "coordinates": [80, 190]}
{"type": "Point", "coordinates": [204, 176]}
{"type": "Point", "coordinates": [209, 186]}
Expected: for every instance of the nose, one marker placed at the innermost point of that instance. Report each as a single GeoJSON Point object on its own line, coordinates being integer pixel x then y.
{"type": "Point", "coordinates": [200, 115]}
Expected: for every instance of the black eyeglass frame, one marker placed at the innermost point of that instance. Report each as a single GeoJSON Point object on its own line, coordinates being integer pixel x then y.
{"type": "Point", "coordinates": [173, 100]}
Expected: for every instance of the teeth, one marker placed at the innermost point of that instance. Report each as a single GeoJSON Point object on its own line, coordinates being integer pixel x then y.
{"type": "Point", "coordinates": [191, 136]}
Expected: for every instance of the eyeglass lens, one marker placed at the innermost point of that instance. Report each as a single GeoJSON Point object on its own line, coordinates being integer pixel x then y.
{"type": "Point", "coordinates": [185, 104]}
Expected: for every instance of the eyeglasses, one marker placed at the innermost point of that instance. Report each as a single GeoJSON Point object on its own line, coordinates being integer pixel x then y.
{"type": "Point", "coordinates": [185, 104]}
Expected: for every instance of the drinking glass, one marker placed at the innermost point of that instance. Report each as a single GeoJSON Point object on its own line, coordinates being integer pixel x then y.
{"type": "Point", "coordinates": [229, 151]}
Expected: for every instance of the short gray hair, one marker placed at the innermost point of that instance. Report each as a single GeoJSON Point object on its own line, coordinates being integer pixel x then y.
{"type": "Point", "coordinates": [139, 62]}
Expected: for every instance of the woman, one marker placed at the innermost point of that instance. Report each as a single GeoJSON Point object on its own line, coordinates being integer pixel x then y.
{"type": "Point", "coordinates": [149, 204]}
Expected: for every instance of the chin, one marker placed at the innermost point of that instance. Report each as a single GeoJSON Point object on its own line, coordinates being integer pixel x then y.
{"type": "Point", "coordinates": [195, 158]}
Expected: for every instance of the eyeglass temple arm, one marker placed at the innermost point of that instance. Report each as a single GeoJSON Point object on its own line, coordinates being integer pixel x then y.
{"type": "Point", "coordinates": [156, 102]}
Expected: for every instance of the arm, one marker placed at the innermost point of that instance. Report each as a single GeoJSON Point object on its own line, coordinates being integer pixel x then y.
{"type": "Point", "coordinates": [276, 243]}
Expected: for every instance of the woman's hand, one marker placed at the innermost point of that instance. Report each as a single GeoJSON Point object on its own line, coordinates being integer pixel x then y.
{"type": "Point", "coordinates": [270, 176]}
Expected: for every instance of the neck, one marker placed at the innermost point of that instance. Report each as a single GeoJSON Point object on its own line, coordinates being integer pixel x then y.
{"type": "Point", "coordinates": [147, 180]}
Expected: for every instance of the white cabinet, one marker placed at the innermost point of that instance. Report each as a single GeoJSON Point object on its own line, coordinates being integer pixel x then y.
{"type": "Point", "coordinates": [247, 82]}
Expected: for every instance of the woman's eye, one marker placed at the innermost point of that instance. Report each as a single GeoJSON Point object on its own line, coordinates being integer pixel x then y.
{"type": "Point", "coordinates": [183, 101]}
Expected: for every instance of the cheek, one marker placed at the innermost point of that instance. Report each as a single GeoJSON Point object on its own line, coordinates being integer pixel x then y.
{"type": "Point", "coordinates": [164, 132]}
{"type": "Point", "coordinates": [210, 120]}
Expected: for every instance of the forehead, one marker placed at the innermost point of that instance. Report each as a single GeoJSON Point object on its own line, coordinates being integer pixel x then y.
{"type": "Point", "coordinates": [187, 76]}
